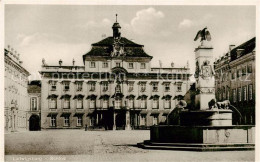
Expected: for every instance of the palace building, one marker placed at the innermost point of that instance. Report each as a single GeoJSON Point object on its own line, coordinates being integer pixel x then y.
{"type": "Point", "coordinates": [16, 103]}
{"type": "Point", "coordinates": [235, 80]}
{"type": "Point", "coordinates": [115, 89]}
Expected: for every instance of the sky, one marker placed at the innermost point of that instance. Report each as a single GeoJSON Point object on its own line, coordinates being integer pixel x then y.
{"type": "Point", "coordinates": [66, 32]}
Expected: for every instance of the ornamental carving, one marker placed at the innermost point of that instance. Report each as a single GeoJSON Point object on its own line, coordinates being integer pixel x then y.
{"type": "Point", "coordinates": [118, 49]}
{"type": "Point", "coordinates": [207, 70]}
{"type": "Point", "coordinates": [206, 90]}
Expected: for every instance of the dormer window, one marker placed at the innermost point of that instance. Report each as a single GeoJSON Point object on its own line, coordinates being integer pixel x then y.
{"type": "Point", "coordinates": [92, 64]}
{"type": "Point", "coordinates": [239, 52]}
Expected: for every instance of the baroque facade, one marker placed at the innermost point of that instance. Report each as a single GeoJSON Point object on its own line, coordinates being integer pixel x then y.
{"type": "Point", "coordinates": [115, 89]}
{"type": "Point", "coordinates": [16, 96]}
{"type": "Point", "coordinates": [236, 80]}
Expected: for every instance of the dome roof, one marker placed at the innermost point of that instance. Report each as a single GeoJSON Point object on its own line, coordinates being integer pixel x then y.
{"type": "Point", "coordinates": [116, 25]}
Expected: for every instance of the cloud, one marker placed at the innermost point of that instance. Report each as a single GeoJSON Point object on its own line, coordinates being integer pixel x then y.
{"type": "Point", "coordinates": [25, 40]}
{"type": "Point", "coordinates": [147, 21]}
{"type": "Point", "coordinates": [186, 23]}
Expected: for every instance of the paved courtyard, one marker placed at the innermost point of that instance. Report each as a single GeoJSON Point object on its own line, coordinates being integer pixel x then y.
{"type": "Point", "coordinates": [80, 145]}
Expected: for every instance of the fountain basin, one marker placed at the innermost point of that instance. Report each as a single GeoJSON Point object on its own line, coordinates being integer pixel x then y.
{"type": "Point", "coordinates": [217, 117]}
{"type": "Point", "coordinates": [201, 138]}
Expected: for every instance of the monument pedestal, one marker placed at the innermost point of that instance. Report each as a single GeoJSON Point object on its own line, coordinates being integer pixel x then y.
{"type": "Point", "coordinates": [201, 138]}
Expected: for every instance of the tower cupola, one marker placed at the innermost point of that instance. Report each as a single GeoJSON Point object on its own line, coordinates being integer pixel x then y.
{"type": "Point", "coordinates": [116, 29]}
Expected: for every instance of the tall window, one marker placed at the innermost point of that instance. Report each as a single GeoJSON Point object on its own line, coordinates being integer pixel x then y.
{"type": "Point", "coordinates": [118, 64]}
{"type": "Point", "coordinates": [167, 103]}
{"type": "Point", "coordinates": [143, 119]}
{"type": "Point", "coordinates": [224, 93]}
{"type": "Point", "coordinates": [143, 103]}
{"type": "Point", "coordinates": [92, 86]}
{"type": "Point", "coordinates": [53, 85]}
{"type": "Point", "coordinates": [66, 86]}
{"type": "Point", "coordinates": [131, 103]}
{"type": "Point", "coordinates": [239, 73]}
{"type": "Point", "coordinates": [105, 86]}
{"type": "Point", "coordinates": [131, 65]}
{"type": "Point", "coordinates": [53, 103]}
{"type": "Point", "coordinates": [234, 95]}
{"type": "Point", "coordinates": [155, 87]}
{"type": "Point", "coordinates": [118, 103]}
{"type": "Point", "coordinates": [105, 103]}
{"type": "Point", "coordinates": [142, 65]}
{"type": "Point", "coordinates": [249, 68]}
{"type": "Point", "coordinates": [66, 103]}
{"type": "Point", "coordinates": [79, 103]}
{"type": "Point", "coordinates": [250, 92]}
{"type": "Point", "coordinates": [228, 93]}
{"type": "Point", "coordinates": [233, 75]}
{"type": "Point", "coordinates": [92, 64]}
{"type": "Point", "coordinates": [155, 119]}
{"type": "Point", "coordinates": [79, 121]}
{"type": "Point", "coordinates": [79, 86]}
{"type": "Point", "coordinates": [179, 87]}
{"type": "Point", "coordinates": [130, 87]}
{"type": "Point", "coordinates": [155, 103]}
{"type": "Point", "coordinates": [53, 121]}
{"type": "Point", "coordinates": [66, 121]}
{"type": "Point", "coordinates": [92, 104]}
{"type": "Point", "coordinates": [245, 93]}
{"type": "Point", "coordinates": [239, 94]}
{"type": "Point", "coordinates": [143, 87]}
{"type": "Point", "coordinates": [167, 87]}
{"type": "Point", "coordinates": [105, 65]}
{"type": "Point", "coordinates": [34, 103]}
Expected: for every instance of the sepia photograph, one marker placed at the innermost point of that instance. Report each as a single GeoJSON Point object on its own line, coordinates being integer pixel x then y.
{"type": "Point", "coordinates": [129, 82]}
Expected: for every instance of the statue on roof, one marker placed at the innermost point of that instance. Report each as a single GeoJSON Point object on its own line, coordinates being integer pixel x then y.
{"type": "Point", "coordinates": [203, 34]}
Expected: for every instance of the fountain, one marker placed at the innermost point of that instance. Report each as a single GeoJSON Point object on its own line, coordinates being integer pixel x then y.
{"type": "Point", "coordinates": [205, 125]}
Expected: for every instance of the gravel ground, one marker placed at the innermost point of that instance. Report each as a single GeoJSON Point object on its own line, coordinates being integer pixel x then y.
{"type": "Point", "coordinates": [80, 145]}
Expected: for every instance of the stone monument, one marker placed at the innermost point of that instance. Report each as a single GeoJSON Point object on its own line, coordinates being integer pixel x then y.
{"type": "Point", "coordinates": [204, 126]}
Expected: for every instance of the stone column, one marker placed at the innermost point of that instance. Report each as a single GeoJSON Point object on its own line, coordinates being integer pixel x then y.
{"type": "Point", "coordinates": [114, 118]}
{"type": "Point", "coordinates": [127, 120]}
{"type": "Point", "coordinates": [204, 75]}
{"type": "Point", "coordinates": [97, 119]}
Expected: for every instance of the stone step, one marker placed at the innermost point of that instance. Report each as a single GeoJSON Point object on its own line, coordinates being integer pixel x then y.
{"type": "Point", "coordinates": [194, 148]}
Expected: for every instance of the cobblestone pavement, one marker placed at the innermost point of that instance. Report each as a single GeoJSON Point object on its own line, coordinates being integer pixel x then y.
{"type": "Point", "coordinates": [80, 145]}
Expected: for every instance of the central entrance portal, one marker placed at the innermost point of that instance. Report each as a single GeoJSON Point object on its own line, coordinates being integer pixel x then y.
{"type": "Point", "coordinates": [120, 120]}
